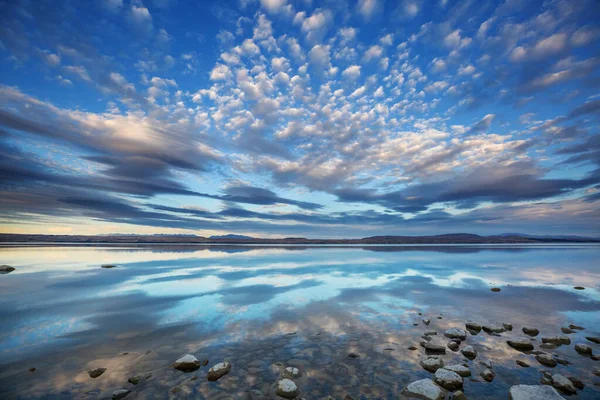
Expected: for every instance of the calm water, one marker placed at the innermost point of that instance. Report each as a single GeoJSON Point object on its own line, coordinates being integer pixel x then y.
{"type": "Point", "coordinates": [308, 307]}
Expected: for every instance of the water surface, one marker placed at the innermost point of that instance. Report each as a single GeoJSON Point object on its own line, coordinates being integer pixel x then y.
{"type": "Point", "coordinates": [263, 307]}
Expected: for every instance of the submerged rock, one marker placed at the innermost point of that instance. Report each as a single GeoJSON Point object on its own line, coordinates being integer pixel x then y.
{"type": "Point", "coordinates": [473, 328]}
{"type": "Point", "coordinates": [218, 370]}
{"type": "Point", "coordinates": [522, 364]}
{"type": "Point", "coordinates": [459, 369]}
{"type": "Point", "coordinates": [546, 359]}
{"type": "Point", "coordinates": [448, 379]}
{"type": "Point", "coordinates": [6, 269]}
{"type": "Point", "coordinates": [353, 355]}
{"type": "Point", "coordinates": [563, 384]}
{"type": "Point", "coordinates": [426, 321]}
{"type": "Point", "coordinates": [533, 392]}
{"type": "Point", "coordinates": [187, 363]}
{"type": "Point", "coordinates": [520, 343]}
{"type": "Point", "coordinates": [531, 331]}
{"type": "Point", "coordinates": [456, 333]}
{"type": "Point", "coordinates": [119, 394]}
{"type": "Point", "coordinates": [291, 372]}
{"type": "Point", "coordinates": [495, 289]}
{"type": "Point", "coordinates": [94, 373]}
{"type": "Point", "coordinates": [577, 327]}
{"type": "Point", "coordinates": [432, 363]}
{"type": "Point", "coordinates": [287, 388]}
{"type": "Point", "coordinates": [583, 349]}
{"type": "Point", "coordinates": [593, 339]}
{"type": "Point", "coordinates": [108, 266]}
{"type": "Point", "coordinates": [576, 382]}
{"type": "Point", "coordinates": [424, 389]}
{"type": "Point", "coordinates": [459, 395]}
{"type": "Point", "coordinates": [489, 329]}
{"type": "Point", "coordinates": [566, 330]}
{"type": "Point", "coordinates": [433, 348]}
{"type": "Point", "coordinates": [488, 374]}
{"type": "Point", "coordinates": [485, 362]}
{"type": "Point", "coordinates": [558, 340]}
{"type": "Point", "coordinates": [469, 352]}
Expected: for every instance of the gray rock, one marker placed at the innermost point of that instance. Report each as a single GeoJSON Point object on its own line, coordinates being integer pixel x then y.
{"type": "Point", "coordinates": [507, 326]}
{"type": "Point", "coordinates": [452, 345]}
{"type": "Point", "coordinates": [448, 379]}
{"type": "Point", "coordinates": [287, 388]}
{"type": "Point", "coordinates": [432, 363]}
{"type": "Point", "coordinates": [593, 339]}
{"type": "Point", "coordinates": [459, 369]}
{"type": "Point", "coordinates": [546, 359]}
{"type": "Point", "coordinates": [533, 392]}
{"type": "Point", "coordinates": [583, 349]}
{"type": "Point", "coordinates": [488, 374]}
{"type": "Point", "coordinates": [291, 372]}
{"type": "Point", "coordinates": [469, 352]}
{"type": "Point", "coordinates": [426, 321]}
{"type": "Point", "coordinates": [520, 343]}
{"type": "Point", "coordinates": [459, 395]}
{"type": "Point", "coordinates": [6, 269]}
{"type": "Point", "coordinates": [485, 362]}
{"type": "Point", "coordinates": [473, 328]}
{"type": "Point", "coordinates": [489, 329]}
{"type": "Point", "coordinates": [566, 330]}
{"type": "Point", "coordinates": [522, 364]}
{"type": "Point", "coordinates": [579, 328]}
{"type": "Point", "coordinates": [94, 373]}
{"type": "Point", "coordinates": [217, 371]}
{"type": "Point", "coordinates": [119, 394]}
{"type": "Point", "coordinates": [456, 333]}
{"type": "Point", "coordinates": [424, 389]}
{"type": "Point", "coordinates": [558, 340]}
{"type": "Point", "coordinates": [108, 266]}
{"type": "Point", "coordinates": [563, 384]}
{"type": "Point", "coordinates": [186, 363]}
{"type": "Point", "coordinates": [433, 348]}
{"type": "Point", "coordinates": [576, 382]}
{"type": "Point", "coordinates": [531, 331]}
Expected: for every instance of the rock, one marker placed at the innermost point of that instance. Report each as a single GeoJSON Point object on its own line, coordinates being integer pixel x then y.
{"type": "Point", "coordinates": [522, 364]}
{"type": "Point", "coordinates": [576, 382]}
{"type": "Point", "coordinates": [448, 379]}
{"type": "Point", "coordinates": [595, 358]}
{"type": "Point", "coordinates": [119, 394]}
{"type": "Point", "coordinates": [473, 327]}
{"type": "Point", "coordinates": [6, 269]}
{"type": "Point", "coordinates": [134, 380]}
{"type": "Point", "coordinates": [453, 345]}
{"type": "Point", "coordinates": [577, 327]}
{"type": "Point", "coordinates": [485, 362]}
{"type": "Point", "coordinates": [187, 363]}
{"type": "Point", "coordinates": [459, 395]}
{"type": "Point", "coordinates": [469, 352]}
{"type": "Point", "coordinates": [531, 331]}
{"type": "Point", "coordinates": [563, 384]}
{"type": "Point", "coordinates": [459, 369]}
{"type": "Point", "coordinates": [256, 394]}
{"type": "Point", "coordinates": [426, 321]}
{"type": "Point", "coordinates": [578, 288]}
{"type": "Point", "coordinates": [597, 372]}
{"type": "Point", "coordinates": [456, 333]}
{"type": "Point", "coordinates": [32, 369]}
{"type": "Point", "coordinates": [353, 355]}
{"type": "Point", "coordinates": [520, 343]}
{"type": "Point", "coordinates": [430, 333]}
{"type": "Point", "coordinates": [546, 359]}
{"type": "Point", "coordinates": [96, 372]}
{"type": "Point", "coordinates": [489, 329]}
{"type": "Point", "coordinates": [217, 371]}
{"type": "Point", "coordinates": [495, 289]}
{"type": "Point", "coordinates": [488, 374]}
{"type": "Point", "coordinates": [424, 389]}
{"type": "Point", "coordinates": [566, 330]}
{"type": "Point", "coordinates": [291, 372]}
{"type": "Point", "coordinates": [412, 348]}
{"type": "Point", "coordinates": [533, 392]}
{"type": "Point", "coordinates": [205, 362]}
{"type": "Point", "coordinates": [558, 340]}
{"type": "Point", "coordinates": [507, 326]}
{"type": "Point", "coordinates": [433, 348]}
{"type": "Point", "coordinates": [593, 339]}
{"type": "Point", "coordinates": [286, 388]}
{"type": "Point", "coordinates": [561, 361]}
{"type": "Point", "coordinates": [432, 363]}
{"type": "Point", "coordinates": [108, 266]}
{"type": "Point", "coordinates": [583, 349]}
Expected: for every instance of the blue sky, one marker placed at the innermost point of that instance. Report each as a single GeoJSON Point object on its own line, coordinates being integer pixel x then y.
{"type": "Point", "coordinates": [300, 118]}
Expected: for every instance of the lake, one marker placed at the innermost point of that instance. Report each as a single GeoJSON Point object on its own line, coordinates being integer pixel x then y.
{"type": "Point", "coordinates": [263, 309]}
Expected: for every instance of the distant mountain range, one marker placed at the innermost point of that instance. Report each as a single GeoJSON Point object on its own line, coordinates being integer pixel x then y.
{"type": "Point", "coordinates": [451, 238]}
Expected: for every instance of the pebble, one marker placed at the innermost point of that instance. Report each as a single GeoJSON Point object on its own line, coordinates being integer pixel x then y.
{"type": "Point", "coordinates": [522, 364]}
{"type": "Point", "coordinates": [495, 289]}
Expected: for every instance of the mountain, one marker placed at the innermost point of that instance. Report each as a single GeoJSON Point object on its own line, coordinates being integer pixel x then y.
{"type": "Point", "coordinates": [230, 236]}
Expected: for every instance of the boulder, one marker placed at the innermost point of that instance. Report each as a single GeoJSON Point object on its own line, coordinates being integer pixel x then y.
{"type": "Point", "coordinates": [187, 363]}
{"type": "Point", "coordinates": [563, 384]}
{"type": "Point", "coordinates": [448, 379]}
{"type": "Point", "coordinates": [287, 388]}
{"type": "Point", "coordinates": [94, 373]}
{"type": "Point", "coordinates": [520, 343]}
{"type": "Point", "coordinates": [459, 369]}
{"type": "Point", "coordinates": [469, 352]}
{"type": "Point", "coordinates": [218, 370]}
{"type": "Point", "coordinates": [531, 331]}
{"type": "Point", "coordinates": [456, 333]}
{"type": "Point", "coordinates": [533, 392]}
{"type": "Point", "coordinates": [424, 389]}
{"type": "Point", "coordinates": [432, 363]}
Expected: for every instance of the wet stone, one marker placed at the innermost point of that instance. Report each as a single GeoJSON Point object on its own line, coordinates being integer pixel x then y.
{"type": "Point", "coordinates": [459, 395]}
{"type": "Point", "coordinates": [353, 355]}
{"type": "Point", "coordinates": [558, 340]}
{"type": "Point", "coordinates": [566, 330]}
{"type": "Point", "coordinates": [424, 389]}
{"type": "Point", "coordinates": [576, 327]}
{"type": "Point", "coordinates": [495, 289]}
{"type": "Point", "coordinates": [426, 321]}
{"type": "Point", "coordinates": [546, 359]}
{"type": "Point", "coordinates": [522, 364]}
{"type": "Point", "coordinates": [576, 382]}
{"type": "Point", "coordinates": [521, 343]}
{"type": "Point", "coordinates": [432, 363]}
{"type": "Point", "coordinates": [487, 374]}
{"type": "Point", "coordinates": [473, 327]}
{"type": "Point", "coordinates": [531, 331]}
{"type": "Point", "coordinates": [459, 369]}
{"type": "Point", "coordinates": [448, 379]}
{"type": "Point", "coordinates": [187, 363]}
{"type": "Point", "coordinates": [453, 346]}
{"type": "Point", "coordinates": [469, 352]}
{"type": "Point", "coordinates": [563, 384]}
{"type": "Point", "coordinates": [217, 371]}
{"type": "Point", "coordinates": [456, 333]}
{"type": "Point", "coordinates": [593, 339]}
{"type": "Point", "coordinates": [119, 394]}
{"type": "Point", "coordinates": [287, 388]}
{"type": "Point", "coordinates": [94, 373]}
{"type": "Point", "coordinates": [583, 349]}
{"type": "Point", "coordinates": [533, 392]}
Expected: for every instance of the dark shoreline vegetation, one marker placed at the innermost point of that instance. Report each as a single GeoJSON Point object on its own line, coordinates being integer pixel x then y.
{"type": "Point", "coordinates": [452, 238]}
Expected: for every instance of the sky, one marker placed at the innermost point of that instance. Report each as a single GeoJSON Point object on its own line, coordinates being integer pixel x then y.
{"type": "Point", "coordinates": [281, 118]}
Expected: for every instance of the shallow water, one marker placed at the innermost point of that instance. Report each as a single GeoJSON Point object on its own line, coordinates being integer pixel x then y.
{"type": "Point", "coordinates": [262, 308]}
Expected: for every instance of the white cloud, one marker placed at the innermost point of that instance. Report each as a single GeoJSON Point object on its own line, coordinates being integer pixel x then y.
{"type": "Point", "coordinates": [220, 72]}
{"type": "Point", "coordinates": [368, 8]}
{"type": "Point", "coordinates": [317, 24]}
{"type": "Point", "coordinates": [466, 70]}
{"type": "Point", "coordinates": [273, 6]}
{"type": "Point", "coordinates": [373, 52]}
{"type": "Point", "coordinates": [518, 54]}
{"type": "Point", "coordinates": [352, 72]}
{"type": "Point", "coordinates": [387, 40]}
{"type": "Point", "coordinates": [319, 56]}
{"type": "Point", "coordinates": [140, 17]}
{"type": "Point", "coordinates": [551, 45]}
{"type": "Point", "coordinates": [585, 35]}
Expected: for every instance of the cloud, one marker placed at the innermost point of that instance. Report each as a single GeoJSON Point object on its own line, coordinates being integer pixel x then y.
{"type": "Point", "coordinates": [484, 124]}
{"type": "Point", "coordinates": [273, 6]}
{"type": "Point", "coordinates": [368, 8]}
{"type": "Point", "coordinates": [352, 72]}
